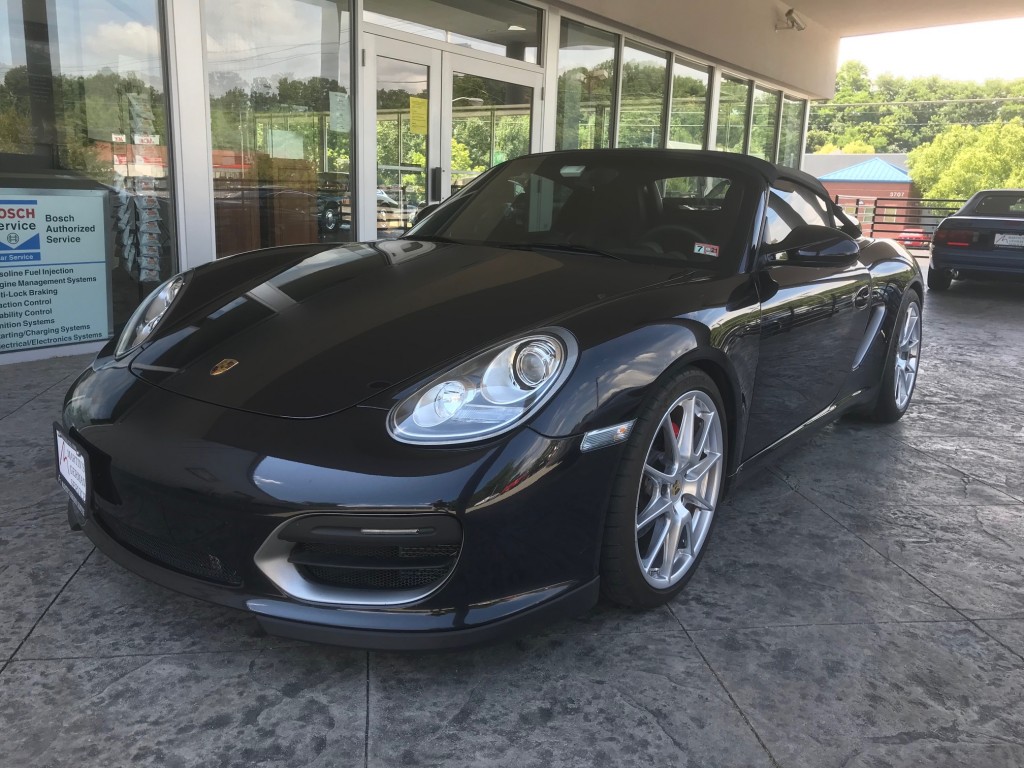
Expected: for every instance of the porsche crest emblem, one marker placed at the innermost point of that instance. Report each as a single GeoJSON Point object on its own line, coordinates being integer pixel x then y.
{"type": "Point", "coordinates": [223, 366]}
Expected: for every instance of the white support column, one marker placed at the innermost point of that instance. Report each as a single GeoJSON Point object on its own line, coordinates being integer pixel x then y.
{"type": "Point", "coordinates": [549, 104]}
{"type": "Point", "coordinates": [666, 111]}
{"type": "Point", "coordinates": [189, 124]}
{"type": "Point", "coordinates": [779, 111]}
{"type": "Point", "coordinates": [803, 134]}
{"type": "Point", "coordinates": [714, 98]}
{"type": "Point", "coordinates": [613, 125]}
{"type": "Point", "coordinates": [751, 92]}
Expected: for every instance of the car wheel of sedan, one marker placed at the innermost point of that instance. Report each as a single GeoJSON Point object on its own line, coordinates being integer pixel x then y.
{"type": "Point", "coordinates": [901, 363]}
{"type": "Point", "coordinates": [939, 279]}
{"type": "Point", "coordinates": [663, 502]}
{"type": "Point", "coordinates": [330, 219]}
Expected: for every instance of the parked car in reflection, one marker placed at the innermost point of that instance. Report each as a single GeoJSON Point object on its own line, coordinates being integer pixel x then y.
{"type": "Point", "coordinates": [283, 214]}
{"type": "Point", "coordinates": [914, 237]}
{"type": "Point", "coordinates": [984, 239]}
{"type": "Point", "coordinates": [542, 392]}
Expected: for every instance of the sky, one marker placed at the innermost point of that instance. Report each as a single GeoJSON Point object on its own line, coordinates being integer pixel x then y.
{"type": "Point", "coordinates": [980, 51]}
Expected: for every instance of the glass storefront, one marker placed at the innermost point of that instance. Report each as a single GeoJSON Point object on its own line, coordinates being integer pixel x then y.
{"type": "Point", "coordinates": [500, 27]}
{"type": "Point", "coordinates": [766, 117]}
{"type": "Point", "coordinates": [491, 123]}
{"type": "Point", "coordinates": [586, 87]}
{"type": "Point", "coordinates": [688, 118]}
{"type": "Point", "coordinates": [642, 106]}
{"type": "Point", "coordinates": [90, 149]}
{"type": "Point", "coordinates": [733, 112]}
{"type": "Point", "coordinates": [87, 226]}
{"type": "Point", "coordinates": [791, 136]}
{"type": "Point", "coordinates": [280, 122]}
{"type": "Point", "coordinates": [403, 98]}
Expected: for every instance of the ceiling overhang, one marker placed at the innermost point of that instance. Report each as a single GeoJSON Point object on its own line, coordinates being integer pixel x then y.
{"type": "Point", "coordinates": [869, 17]}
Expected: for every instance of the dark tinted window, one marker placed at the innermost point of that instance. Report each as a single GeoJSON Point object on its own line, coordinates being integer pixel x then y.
{"type": "Point", "coordinates": [1000, 205]}
{"type": "Point", "coordinates": [686, 211]}
{"type": "Point", "coordinates": [790, 206]}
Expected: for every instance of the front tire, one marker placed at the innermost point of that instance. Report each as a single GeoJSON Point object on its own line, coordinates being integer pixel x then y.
{"type": "Point", "coordinates": [664, 496]}
{"type": "Point", "coordinates": [901, 362]}
{"type": "Point", "coordinates": [939, 279]}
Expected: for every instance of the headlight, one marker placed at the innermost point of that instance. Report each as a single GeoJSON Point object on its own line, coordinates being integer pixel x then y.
{"type": "Point", "coordinates": [148, 315]}
{"type": "Point", "coordinates": [491, 393]}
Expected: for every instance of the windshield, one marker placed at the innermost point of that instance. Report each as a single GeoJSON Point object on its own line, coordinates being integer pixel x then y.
{"type": "Point", "coordinates": [645, 208]}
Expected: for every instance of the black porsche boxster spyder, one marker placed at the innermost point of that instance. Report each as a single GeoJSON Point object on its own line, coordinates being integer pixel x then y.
{"type": "Point", "coordinates": [539, 394]}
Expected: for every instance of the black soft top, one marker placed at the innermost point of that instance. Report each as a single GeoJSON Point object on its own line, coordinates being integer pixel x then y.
{"type": "Point", "coordinates": [770, 172]}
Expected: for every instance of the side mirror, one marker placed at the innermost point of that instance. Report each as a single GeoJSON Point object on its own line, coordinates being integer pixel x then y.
{"type": "Point", "coordinates": [423, 212]}
{"type": "Point", "coordinates": [814, 246]}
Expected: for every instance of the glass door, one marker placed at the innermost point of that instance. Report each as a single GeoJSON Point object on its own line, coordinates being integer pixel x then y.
{"type": "Point", "coordinates": [406, 122]}
{"type": "Point", "coordinates": [438, 120]}
{"type": "Point", "coordinates": [491, 115]}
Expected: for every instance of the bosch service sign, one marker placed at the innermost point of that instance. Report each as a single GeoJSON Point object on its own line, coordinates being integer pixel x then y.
{"type": "Point", "coordinates": [18, 220]}
{"type": "Point", "coordinates": [54, 286]}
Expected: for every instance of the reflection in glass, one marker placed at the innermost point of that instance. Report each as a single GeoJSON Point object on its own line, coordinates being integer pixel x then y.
{"type": "Point", "coordinates": [687, 125]}
{"type": "Point", "coordinates": [791, 141]}
{"type": "Point", "coordinates": [766, 115]}
{"type": "Point", "coordinates": [403, 127]}
{"type": "Point", "coordinates": [280, 120]}
{"type": "Point", "coordinates": [83, 107]}
{"type": "Point", "coordinates": [586, 85]}
{"type": "Point", "coordinates": [732, 114]}
{"type": "Point", "coordinates": [642, 109]}
{"type": "Point", "coordinates": [501, 27]}
{"type": "Point", "coordinates": [490, 124]}
{"type": "Point", "coordinates": [648, 208]}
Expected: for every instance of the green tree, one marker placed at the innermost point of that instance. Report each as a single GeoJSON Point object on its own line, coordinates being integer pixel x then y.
{"type": "Point", "coordinates": [965, 159]}
{"type": "Point", "coordinates": [897, 114]}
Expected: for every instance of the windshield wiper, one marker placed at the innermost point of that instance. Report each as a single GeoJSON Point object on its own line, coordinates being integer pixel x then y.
{"type": "Point", "coordinates": [565, 247]}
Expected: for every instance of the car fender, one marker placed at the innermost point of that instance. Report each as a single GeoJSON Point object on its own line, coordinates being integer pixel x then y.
{"type": "Point", "coordinates": [611, 380]}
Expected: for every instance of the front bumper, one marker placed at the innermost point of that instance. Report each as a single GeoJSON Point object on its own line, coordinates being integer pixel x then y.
{"type": "Point", "coordinates": [206, 479]}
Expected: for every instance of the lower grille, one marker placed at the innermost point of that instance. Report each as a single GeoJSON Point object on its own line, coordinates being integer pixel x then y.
{"type": "Point", "coordinates": [391, 578]}
{"type": "Point", "coordinates": [375, 567]}
{"type": "Point", "coordinates": [202, 565]}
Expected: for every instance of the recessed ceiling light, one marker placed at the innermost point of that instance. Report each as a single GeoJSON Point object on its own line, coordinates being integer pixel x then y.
{"type": "Point", "coordinates": [516, 28]}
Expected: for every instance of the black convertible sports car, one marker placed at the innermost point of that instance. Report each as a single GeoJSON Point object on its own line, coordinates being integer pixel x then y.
{"type": "Point", "coordinates": [541, 392]}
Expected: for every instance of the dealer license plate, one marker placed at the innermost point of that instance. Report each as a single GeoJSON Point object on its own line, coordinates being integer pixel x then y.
{"type": "Point", "coordinates": [1009, 241]}
{"type": "Point", "coordinates": [72, 470]}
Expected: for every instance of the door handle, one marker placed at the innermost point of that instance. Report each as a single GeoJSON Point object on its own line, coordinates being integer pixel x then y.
{"type": "Point", "coordinates": [434, 193]}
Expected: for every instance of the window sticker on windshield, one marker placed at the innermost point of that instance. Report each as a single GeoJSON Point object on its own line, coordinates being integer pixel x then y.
{"type": "Point", "coordinates": [706, 249]}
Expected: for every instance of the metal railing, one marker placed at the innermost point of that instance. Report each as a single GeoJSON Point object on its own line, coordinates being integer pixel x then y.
{"type": "Point", "coordinates": [898, 217]}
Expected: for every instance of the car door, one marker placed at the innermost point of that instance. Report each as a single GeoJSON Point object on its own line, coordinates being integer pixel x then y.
{"type": "Point", "coordinates": [812, 321]}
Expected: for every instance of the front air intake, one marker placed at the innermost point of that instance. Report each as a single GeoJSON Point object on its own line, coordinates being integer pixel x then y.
{"type": "Point", "coordinates": [362, 559]}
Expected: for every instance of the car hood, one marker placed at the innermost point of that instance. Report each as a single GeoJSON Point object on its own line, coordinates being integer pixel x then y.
{"type": "Point", "coordinates": [320, 334]}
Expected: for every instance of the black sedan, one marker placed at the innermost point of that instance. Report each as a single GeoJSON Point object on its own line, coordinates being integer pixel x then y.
{"type": "Point", "coordinates": [984, 239]}
{"type": "Point", "coordinates": [541, 393]}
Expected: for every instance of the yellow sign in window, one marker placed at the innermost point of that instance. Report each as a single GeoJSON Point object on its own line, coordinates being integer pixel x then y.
{"type": "Point", "coordinates": [418, 115]}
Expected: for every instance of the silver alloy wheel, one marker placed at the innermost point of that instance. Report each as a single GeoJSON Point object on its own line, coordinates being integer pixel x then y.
{"type": "Point", "coordinates": [330, 219]}
{"type": "Point", "coordinates": [908, 352]}
{"type": "Point", "coordinates": [682, 478]}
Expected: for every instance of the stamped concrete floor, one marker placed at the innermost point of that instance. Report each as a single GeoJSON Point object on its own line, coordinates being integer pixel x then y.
{"type": "Point", "coordinates": [861, 604]}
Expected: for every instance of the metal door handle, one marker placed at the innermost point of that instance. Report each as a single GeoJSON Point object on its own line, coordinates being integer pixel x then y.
{"type": "Point", "coordinates": [434, 193]}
